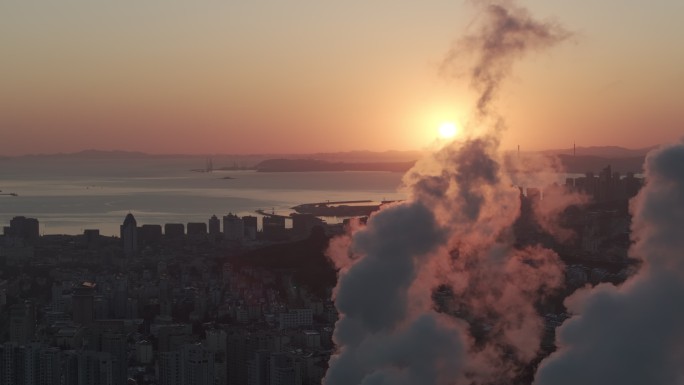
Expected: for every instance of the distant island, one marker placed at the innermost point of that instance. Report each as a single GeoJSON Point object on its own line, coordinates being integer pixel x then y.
{"type": "Point", "coordinates": [301, 165]}
{"type": "Point", "coordinates": [578, 164]}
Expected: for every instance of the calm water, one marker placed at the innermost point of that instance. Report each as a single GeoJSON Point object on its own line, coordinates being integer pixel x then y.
{"type": "Point", "coordinates": [70, 195]}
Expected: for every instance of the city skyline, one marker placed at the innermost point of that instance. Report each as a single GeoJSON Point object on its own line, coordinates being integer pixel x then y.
{"type": "Point", "coordinates": [301, 78]}
{"type": "Point", "coordinates": [444, 193]}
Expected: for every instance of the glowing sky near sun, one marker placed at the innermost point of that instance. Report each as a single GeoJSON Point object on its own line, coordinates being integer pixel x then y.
{"type": "Point", "coordinates": [300, 76]}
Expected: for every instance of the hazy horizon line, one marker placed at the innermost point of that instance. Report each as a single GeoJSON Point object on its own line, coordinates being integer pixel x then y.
{"type": "Point", "coordinates": [246, 154]}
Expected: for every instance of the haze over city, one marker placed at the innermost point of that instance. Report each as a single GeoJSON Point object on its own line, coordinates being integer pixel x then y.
{"type": "Point", "coordinates": [447, 193]}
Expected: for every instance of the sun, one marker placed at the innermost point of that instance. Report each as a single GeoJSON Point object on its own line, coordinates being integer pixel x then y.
{"type": "Point", "coordinates": [448, 130]}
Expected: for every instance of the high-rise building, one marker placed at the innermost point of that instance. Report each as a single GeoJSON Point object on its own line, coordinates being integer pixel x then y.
{"type": "Point", "coordinates": [32, 364]}
{"type": "Point", "coordinates": [174, 230]}
{"type": "Point", "coordinates": [274, 228]}
{"type": "Point", "coordinates": [233, 228]}
{"type": "Point", "coordinates": [129, 236]}
{"type": "Point", "coordinates": [120, 301]}
{"type": "Point", "coordinates": [171, 337]}
{"type": "Point", "coordinates": [241, 348]}
{"type": "Point", "coordinates": [216, 340]}
{"type": "Point", "coordinates": [101, 307]}
{"type": "Point", "coordinates": [295, 318]}
{"type": "Point", "coordinates": [302, 224]}
{"type": "Point", "coordinates": [198, 365]}
{"type": "Point", "coordinates": [214, 226]}
{"type": "Point", "coordinates": [259, 369]}
{"type": "Point", "coordinates": [144, 352]}
{"type": "Point", "coordinates": [285, 370]}
{"type": "Point", "coordinates": [169, 367]}
{"type": "Point", "coordinates": [150, 234]}
{"type": "Point", "coordinates": [91, 238]}
{"type": "Point", "coordinates": [49, 366]}
{"type": "Point", "coordinates": [197, 228]}
{"type": "Point", "coordinates": [188, 365]}
{"type": "Point", "coordinates": [8, 357]}
{"type": "Point", "coordinates": [115, 345]}
{"type": "Point", "coordinates": [94, 368]}
{"type": "Point", "coordinates": [25, 228]}
{"type": "Point", "coordinates": [83, 303]}
{"type": "Point", "coordinates": [22, 322]}
{"type": "Point", "coordinates": [250, 223]}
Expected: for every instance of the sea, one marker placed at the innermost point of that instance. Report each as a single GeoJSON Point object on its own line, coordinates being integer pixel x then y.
{"type": "Point", "coordinates": [70, 194]}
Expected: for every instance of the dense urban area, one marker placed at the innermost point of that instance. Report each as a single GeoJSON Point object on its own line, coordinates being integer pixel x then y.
{"type": "Point", "coordinates": [234, 301]}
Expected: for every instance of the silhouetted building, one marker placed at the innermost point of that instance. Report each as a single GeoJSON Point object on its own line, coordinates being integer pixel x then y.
{"type": "Point", "coordinates": [150, 234]}
{"type": "Point", "coordinates": [250, 224]}
{"type": "Point", "coordinates": [259, 371]}
{"type": "Point", "coordinates": [115, 344]}
{"type": "Point", "coordinates": [632, 185]}
{"type": "Point", "coordinates": [285, 370]}
{"type": "Point", "coordinates": [91, 238]}
{"type": "Point", "coordinates": [590, 185]}
{"type": "Point", "coordinates": [608, 187]}
{"type": "Point", "coordinates": [120, 301]}
{"type": "Point", "coordinates": [174, 230]}
{"type": "Point", "coordinates": [50, 366]}
{"type": "Point", "coordinates": [190, 364]}
{"type": "Point", "coordinates": [129, 235]}
{"type": "Point", "coordinates": [28, 364]}
{"type": "Point", "coordinates": [197, 228]}
{"type": "Point", "coordinates": [22, 322]}
{"type": "Point", "coordinates": [604, 187]}
{"type": "Point", "coordinates": [295, 318]}
{"type": "Point", "coordinates": [83, 302]}
{"type": "Point", "coordinates": [214, 226]}
{"type": "Point", "coordinates": [24, 228]}
{"type": "Point", "coordinates": [198, 365]}
{"type": "Point", "coordinates": [274, 228]}
{"type": "Point", "coordinates": [170, 366]}
{"type": "Point", "coordinates": [241, 348]}
{"type": "Point", "coordinates": [95, 368]}
{"type": "Point", "coordinates": [233, 228]}
{"type": "Point", "coordinates": [302, 224]}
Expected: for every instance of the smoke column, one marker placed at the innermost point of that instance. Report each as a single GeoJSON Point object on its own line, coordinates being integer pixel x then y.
{"type": "Point", "coordinates": [634, 334]}
{"type": "Point", "coordinates": [454, 233]}
{"type": "Point", "coordinates": [507, 34]}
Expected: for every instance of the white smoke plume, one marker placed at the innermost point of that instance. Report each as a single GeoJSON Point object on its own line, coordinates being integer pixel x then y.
{"type": "Point", "coordinates": [455, 233]}
{"type": "Point", "coordinates": [388, 332]}
{"type": "Point", "coordinates": [634, 333]}
{"type": "Point", "coordinates": [506, 34]}
{"type": "Point", "coordinates": [494, 286]}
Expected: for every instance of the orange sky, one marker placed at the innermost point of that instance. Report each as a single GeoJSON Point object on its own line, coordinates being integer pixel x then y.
{"type": "Point", "coordinates": [217, 77]}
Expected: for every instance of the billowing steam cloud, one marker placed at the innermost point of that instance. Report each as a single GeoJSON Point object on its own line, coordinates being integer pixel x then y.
{"type": "Point", "coordinates": [388, 332]}
{"type": "Point", "coordinates": [453, 233]}
{"type": "Point", "coordinates": [634, 334]}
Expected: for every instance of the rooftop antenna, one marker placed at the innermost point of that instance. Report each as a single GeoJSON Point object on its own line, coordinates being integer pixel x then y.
{"type": "Point", "coordinates": [518, 151]}
{"type": "Point", "coordinates": [574, 149]}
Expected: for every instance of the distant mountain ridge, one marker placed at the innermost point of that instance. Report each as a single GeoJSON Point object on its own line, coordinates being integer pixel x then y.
{"type": "Point", "coordinates": [349, 156]}
{"type": "Point", "coordinates": [602, 151]}
{"type": "Point", "coordinates": [592, 158]}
